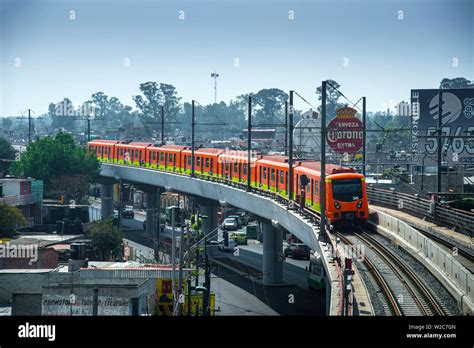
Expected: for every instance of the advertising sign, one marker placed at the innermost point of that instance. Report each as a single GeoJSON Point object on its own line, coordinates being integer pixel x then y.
{"type": "Point", "coordinates": [345, 132]}
{"type": "Point", "coordinates": [457, 119]}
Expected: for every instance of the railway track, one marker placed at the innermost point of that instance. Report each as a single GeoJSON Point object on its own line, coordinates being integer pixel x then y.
{"type": "Point", "coordinates": [391, 303]}
{"type": "Point", "coordinates": [426, 302]}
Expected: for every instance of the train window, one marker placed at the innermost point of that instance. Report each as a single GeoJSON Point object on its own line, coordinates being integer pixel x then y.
{"type": "Point", "coordinates": [198, 161]}
{"type": "Point", "coordinates": [282, 177]}
{"type": "Point", "coordinates": [98, 149]}
{"type": "Point", "coordinates": [236, 167]}
{"type": "Point", "coordinates": [308, 188]}
{"type": "Point", "coordinates": [347, 190]}
{"type": "Point", "coordinates": [190, 160]}
{"type": "Point", "coordinates": [174, 158]}
{"type": "Point", "coordinates": [207, 162]}
{"type": "Point", "coordinates": [226, 166]}
{"type": "Point", "coordinates": [170, 157]}
{"type": "Point", "coordinates": [154, 156]}
{"type": "Point", "coordinates": [136, 153]}
{"type": "Point", "coordinates": [264, 172]}
{"type": "Point", "coordinates": [245, 168]}
{"type": "Point", "coordinates": [273, 174]}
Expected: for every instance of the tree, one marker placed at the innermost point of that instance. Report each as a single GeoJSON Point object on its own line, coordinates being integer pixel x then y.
{"type": "Point", "coordinates": [332, 98]}
{"type": "Point", "coordinates": [11, 219]}
{"type": "Point", "coordinates": [62, 115]}
{"type": "Point", "coordinates": [156, 96]}
{"type": "Point", "coordinates": [57, 160]}
{"type": "Point", "coordinates": [269, 104]}
{"type": "Point", "coordinates": [458, 82]}
{"type": "Point", "coordinates": [106, 240]}
{"type": "Point", "coordinates": [7, 154]}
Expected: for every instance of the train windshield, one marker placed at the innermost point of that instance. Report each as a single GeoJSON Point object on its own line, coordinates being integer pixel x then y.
{"type": "Point", "coordinates": [347, 190]}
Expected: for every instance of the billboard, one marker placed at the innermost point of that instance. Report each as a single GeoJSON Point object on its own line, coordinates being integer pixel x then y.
{"type": "Point", "coordinates": [457, 120]}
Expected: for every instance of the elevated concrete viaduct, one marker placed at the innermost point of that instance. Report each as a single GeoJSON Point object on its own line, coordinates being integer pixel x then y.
{"type": "Point", "coordinates": [275, 216]}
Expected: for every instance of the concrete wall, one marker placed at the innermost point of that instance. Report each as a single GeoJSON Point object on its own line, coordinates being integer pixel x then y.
{"type": "Point", "coordinates": [26, 304]}
{"type": "Point", "coordinates": [452, 274]}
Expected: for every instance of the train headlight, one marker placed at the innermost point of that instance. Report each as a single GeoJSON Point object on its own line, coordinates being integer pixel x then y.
{"type": "Point", "coordinates": [359, 204]}
{"type": "Point", "coordinates": [337, 205]}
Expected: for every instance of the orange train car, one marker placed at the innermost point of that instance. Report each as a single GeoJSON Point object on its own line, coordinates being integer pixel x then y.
{"type": "Point", "coordinates": [205, 161]}
{"type": "Point", "coordinates": [104, 149]}
{"type": "Point", "coordinates": [233, 165]}
{"type": "Point", "coordinates": [165, 157]}
{"type": "Point", "coordinates": [346, 195]}
{"type": "Point", "coordinates": [133, 153]}
{"type": "Point", "coordinates": [272, 173]}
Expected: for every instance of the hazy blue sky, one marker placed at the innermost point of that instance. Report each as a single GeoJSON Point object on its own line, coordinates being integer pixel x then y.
{"type": "Point", "coordinates": [386, 56]}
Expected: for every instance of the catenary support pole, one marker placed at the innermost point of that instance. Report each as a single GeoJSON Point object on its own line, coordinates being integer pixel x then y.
{"type": "Point", "coordinates": [322, 194]}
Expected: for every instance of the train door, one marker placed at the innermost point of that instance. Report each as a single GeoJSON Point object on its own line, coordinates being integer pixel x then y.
{"type": "Point", "coordinates": [297, 184]}
{"type": "Point", "coordinates": [277, 181]}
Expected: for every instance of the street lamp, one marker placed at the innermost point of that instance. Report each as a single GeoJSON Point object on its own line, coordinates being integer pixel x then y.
{"type": "Point", "coordinates": [215, 76]}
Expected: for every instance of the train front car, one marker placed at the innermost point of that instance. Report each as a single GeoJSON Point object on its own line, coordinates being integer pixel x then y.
{"type": "Point", "coordinates": [346, 197]}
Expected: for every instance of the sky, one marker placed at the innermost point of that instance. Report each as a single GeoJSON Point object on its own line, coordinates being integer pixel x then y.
{"type": "Point", "coordinates": [52, 49]}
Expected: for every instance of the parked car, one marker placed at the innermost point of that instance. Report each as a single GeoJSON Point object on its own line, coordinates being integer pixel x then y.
{"type": "Point", "coordinates": [240, 238]}
{"type": "Point", "coordinates": [230, 224]}
{"type": "Point", "coordinates": [128, 213]}
{"type": "Point", "coordinates": [230, 245]}
{"type": "Point", "coordinates": [238, 218]}
{"type": "Point", "coordinates": [298, 251]}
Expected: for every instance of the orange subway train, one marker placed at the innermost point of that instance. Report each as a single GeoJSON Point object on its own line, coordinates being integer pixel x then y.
{"type": "Point", "coordinates": [346, 195]}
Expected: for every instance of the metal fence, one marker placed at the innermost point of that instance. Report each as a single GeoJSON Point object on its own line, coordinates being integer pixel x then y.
{"type": "Point", "coordinates": [458, 220]}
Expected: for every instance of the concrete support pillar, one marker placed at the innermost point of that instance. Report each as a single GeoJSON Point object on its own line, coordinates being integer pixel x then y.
{"type": "Point", "coordinates": [151, 212]}
{"type": "Point", "coordinates": [209, 224]}
{"type": "Point", "coordinates": [106, 200]}
{"type": "Point", "coordinates": [272, 254]}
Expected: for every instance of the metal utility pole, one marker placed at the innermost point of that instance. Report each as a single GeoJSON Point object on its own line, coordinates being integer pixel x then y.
{"type": "Point", "coordinates": [189, 296]}
{"type": "Point", "coordinates": [290, 149]}
{"type": "Point", "coordinates": [173, 257]}
{"type": "Point", "coordinates": [181, 251]}
{"type": "Point", "coordinates": [119, 218]}
{"type": "Point", "coordinates": [322, 195]}
{"type": "Point", "coordinates": [249, 145]}
{"type": "Point", "coordinates": [286, 128]}
{"type": "Point", "coordinates": [193, 124]}
{"type": "Point", "coordinates": [162, 125]}
{"type": "Point", "coordinates": [88, 128]}
{"type": "Point", "coordinates": [29, 126]}
{"type": "Point", "coordinates": [440, 125]}
{"type": "Point", "coordinates": [364, 125]}
{"type": "Point", "coordinates": [215, 76]}
{"type": "Point", "coordinates": [207, 282]}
